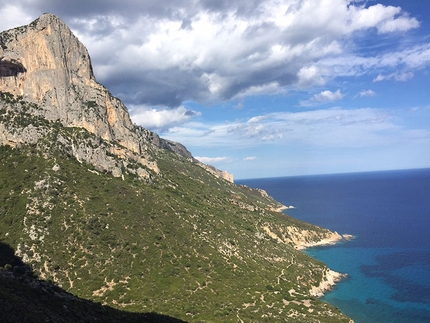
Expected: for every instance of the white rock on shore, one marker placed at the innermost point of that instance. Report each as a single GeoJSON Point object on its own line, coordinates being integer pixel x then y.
{"type": "Point", "coordinates": [329, 280]}
{"type": "Point", "coordinates": [330, 239]}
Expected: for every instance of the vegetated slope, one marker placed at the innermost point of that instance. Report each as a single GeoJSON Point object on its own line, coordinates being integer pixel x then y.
{"type": "Point", "coordinates": [114, 214]}
{"type": "Point", "coordinates": [26, 299]}
{"type": "Point", "coordinates": [189, 245]}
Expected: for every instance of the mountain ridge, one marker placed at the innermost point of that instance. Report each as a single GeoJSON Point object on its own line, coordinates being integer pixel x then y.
{"type": "Point", "coordinates": [45, 64]}
{"type": "Point", "coordinates": [115, 214]}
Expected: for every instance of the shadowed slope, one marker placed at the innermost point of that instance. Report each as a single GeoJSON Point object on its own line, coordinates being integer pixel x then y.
{"type": "Point", "coordinates": [26, 299]}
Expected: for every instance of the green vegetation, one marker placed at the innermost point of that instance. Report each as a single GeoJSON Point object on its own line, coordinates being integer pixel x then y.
{"type": "Point", "coordinates": [184, 243]}
{"type": "Point", "coordinates": [9, 97]}
{"type": "Point", "coordinates": [46, 302]}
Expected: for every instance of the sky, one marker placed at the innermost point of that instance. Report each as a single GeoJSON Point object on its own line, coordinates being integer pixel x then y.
{"type": "Point", "coordinates": [264, 88]}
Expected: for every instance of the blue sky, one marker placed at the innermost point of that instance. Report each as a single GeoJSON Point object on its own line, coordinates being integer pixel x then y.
{"type": "Point", "coordinates": [265, 88]}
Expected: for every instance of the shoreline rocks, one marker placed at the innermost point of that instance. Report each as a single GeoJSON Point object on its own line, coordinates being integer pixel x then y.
{"type": "Point", "coordinates": [331, 240]}
{"type": "Point", "coordinates": [331, 277]}
{"type": "Point", "coordinates": [329, 280]}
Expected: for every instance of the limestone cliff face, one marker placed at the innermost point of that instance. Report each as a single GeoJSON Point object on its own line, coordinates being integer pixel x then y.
{"type": "Point", "coordinates": [44, 63]}
{"type": "Point", "coordinates": [216, 172]}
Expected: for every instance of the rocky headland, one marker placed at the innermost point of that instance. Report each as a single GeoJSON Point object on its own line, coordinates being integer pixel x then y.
{"type": "Point", "coordinates": [112, 213]}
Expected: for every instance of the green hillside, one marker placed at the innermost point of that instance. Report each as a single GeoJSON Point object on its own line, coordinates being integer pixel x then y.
{"type": "Point", "coordinates": [23, 298]}
{"type": "Point", "coordinates": [184, 244]}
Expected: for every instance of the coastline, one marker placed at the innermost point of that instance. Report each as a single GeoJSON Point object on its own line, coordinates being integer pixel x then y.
{"type": "Point", "coordinates": [401, 205]}
{"type": "Point", "coordinates": [330, 277]}
{"type": "Point", "coordinates": [301, 241]}
{"type": "Point", "coordinates": [283, 207]}
{"type": "Point", "coordinates": [333, 239]}
{"type": "Point", "coordinates": [329, 280]}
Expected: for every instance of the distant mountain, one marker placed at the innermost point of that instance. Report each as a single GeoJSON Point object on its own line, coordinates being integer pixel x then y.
{"type": "Point", "coordinates": [114, 214]}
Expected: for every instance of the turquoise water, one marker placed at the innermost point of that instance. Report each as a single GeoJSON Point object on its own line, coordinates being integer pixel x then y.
{"type": "Point", "coordinates": [388, 263]}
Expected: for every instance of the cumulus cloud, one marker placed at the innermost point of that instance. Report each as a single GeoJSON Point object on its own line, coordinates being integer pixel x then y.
{"type": "Point", "coordinates": [310, 75]}
{"type": "Point", "coordinates": [385, 19]}
{"type": "Point", "coordinates": [398, 24]}
{"type": "Point", "coordinates": [327, 96]}
{"type": "Point", "coordinates": [323, 97]}
{"type": "Point", "coordinates": [161, 119]}
{"type": "Point", "coordinates": [167, 52]}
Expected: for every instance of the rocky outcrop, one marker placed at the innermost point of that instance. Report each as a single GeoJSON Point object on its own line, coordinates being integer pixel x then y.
{"type": "Point", "coordinates": [216, 172]}
{"type": "Point", "coordinates": [329, 280]}
{"type": "Point", "coordinates": [302, 238]}
{"type": "Point", "coordinates": [18, 127]}
{"type": "Point", "coordinates": [181, 150]}
{"type": "Point", "coordinates": [43, 63]}
{"type": "Point", "coordinates": [176, 147]}
{"type": "Point", "coordinates": [46, 64]}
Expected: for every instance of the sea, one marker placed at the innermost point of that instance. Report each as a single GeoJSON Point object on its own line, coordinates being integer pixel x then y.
{"type": "Point", "coordinates": [388, 262]}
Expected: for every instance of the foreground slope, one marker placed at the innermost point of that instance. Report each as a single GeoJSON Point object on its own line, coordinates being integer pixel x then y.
{"type": "Point", "coordinates": [114, 214]}
{"type": "Point", "coordinates": [46, 302]}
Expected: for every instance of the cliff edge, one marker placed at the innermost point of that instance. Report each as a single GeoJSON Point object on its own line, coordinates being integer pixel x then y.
{"type": "Point", "coordinates": [44, 63]}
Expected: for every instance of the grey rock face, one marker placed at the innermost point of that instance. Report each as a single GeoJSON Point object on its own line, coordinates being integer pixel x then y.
{"type": "Point", "coordinates": [45, 64]}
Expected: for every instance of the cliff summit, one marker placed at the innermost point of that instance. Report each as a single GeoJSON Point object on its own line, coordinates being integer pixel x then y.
{"type": "Point", "coordinates": [44, 63]}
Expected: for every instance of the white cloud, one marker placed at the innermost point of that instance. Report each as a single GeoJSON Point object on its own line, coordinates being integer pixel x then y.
{"type": "Point", "coordinates": [250, 158]}
{"type": "Point", "coordinates": [271, 88]}
{"type": "Point", "coordinates": [323, 128]}
{"type": "Point", "coordinates": [13, 16]}
{"type": "Point", "coordinates": [379, 78]}
{"type": "Point", "coordinates": [310, 75]}
{"type": "Point", "coordinates": [328, 96]}
{"type": "Point", "coordinates": [159, 119]}
{"type": "Point", "coordinates": [385, 19]}
{"type": "Point", "coordinates": [398, 24]}
{"type": "Point", "coordinates": [211, 160]}
{"type": "Point", "coordinates": [166, 52]}
{"type": "Point", "coordinates": [323, 97]}
{"type": "Point", "coordinates": [394, 76]}
{"type": "Point", "coordinates": [386, 65]}
{"type": "Point", "coordinates": [366, 93]}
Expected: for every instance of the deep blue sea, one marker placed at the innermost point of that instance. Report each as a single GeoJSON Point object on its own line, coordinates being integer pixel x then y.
{"type": "Point", "coordinates": [388, 263]}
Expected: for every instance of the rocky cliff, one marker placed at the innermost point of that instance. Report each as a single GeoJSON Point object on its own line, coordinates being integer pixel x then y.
{"type": "Point", "coordinates": [167, 236]}
{"type": "Point", "coordinates": [43, 63]}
